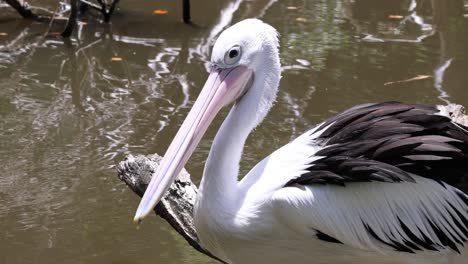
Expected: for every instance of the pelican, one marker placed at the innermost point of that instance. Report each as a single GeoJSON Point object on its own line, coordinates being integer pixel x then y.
{"type": "Point", "coordinates": [378, 183]}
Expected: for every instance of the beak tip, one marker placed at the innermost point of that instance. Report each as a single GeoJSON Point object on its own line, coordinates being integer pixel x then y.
{"type": "Point", "coordinates": [136, 220]}
{"type": "Point", "coordinates": [139, 215]}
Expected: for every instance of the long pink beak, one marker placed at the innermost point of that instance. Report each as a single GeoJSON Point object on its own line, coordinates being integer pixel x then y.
{"type": "Point", "coordinates": [222, 88]}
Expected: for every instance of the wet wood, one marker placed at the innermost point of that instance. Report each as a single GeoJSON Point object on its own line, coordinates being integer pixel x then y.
{"type": "Point", "coordinates": [176, 206]}
{"type": "Point", "coordinates": [186, 12]}
{"type": "Point", "coordinates": [22, 8]}
{"type": "Point", "coordinates": [25, 11]}
{"type": "Point", "coordinates": [111, 9]}
{"type": "Point", "coordinates": [456, 112]}
{"type": "Point", "coordinates": [85, 4]}
{"type": "Point", "coordinates": [107, 9]}
{"type": "Point", "coordinates": [71, 24]}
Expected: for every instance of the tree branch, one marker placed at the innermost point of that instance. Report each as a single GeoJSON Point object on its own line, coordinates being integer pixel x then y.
{"type": "Point", "coordinates": [176, 206]}
{"type": "Point", "coordinates": [186, 12]}
{"type": "Point", "coordinates": [107, 9]}
{"type": "Point", "coordinates": [92, 5]}
{"type": "Point", "coordinates": [111, 9]}
{"type": "Point", "coordinates": [22, 9]}
{"type": "Point", "coordinates": [71, 24]}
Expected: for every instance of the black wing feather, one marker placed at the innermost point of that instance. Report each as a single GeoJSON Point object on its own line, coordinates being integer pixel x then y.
{"type": "Point", "coordinates": [392, 142]}
{"type": "Point", "coordinates": [388, 142]}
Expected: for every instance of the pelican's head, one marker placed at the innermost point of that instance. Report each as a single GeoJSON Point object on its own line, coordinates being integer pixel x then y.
{"type": "Point", "coordinates": [245, 70]}
{"type": "Point", "coordinates": [245, 44]}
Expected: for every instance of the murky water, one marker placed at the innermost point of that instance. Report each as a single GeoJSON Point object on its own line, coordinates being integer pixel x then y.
{"type": "Point", "coordinates": [69, 114]}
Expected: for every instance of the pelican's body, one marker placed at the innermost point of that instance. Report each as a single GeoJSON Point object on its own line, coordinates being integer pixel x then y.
{"type": "Point", "coordinates": [271, 216]}
{"type": "Point", "coordinates": [378, 183]}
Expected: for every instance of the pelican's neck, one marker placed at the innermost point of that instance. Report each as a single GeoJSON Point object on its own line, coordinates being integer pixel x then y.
{"type": "Point", "coordinates": [220, 177]}
{"type": "Point", "coordinates": [222, 166]}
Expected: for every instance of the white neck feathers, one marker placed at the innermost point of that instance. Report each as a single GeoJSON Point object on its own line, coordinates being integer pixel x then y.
{"type": "Point", "coordinates": [220, 177]}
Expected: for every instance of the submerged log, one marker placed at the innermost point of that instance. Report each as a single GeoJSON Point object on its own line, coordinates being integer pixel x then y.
{"type": "Point", "coordinates": [455, 111]}
{"type": "Point", "coordinates": [177, 204]}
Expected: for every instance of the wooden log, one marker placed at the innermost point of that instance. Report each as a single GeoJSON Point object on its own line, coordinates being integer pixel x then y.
{"type": "Point", "coordinates": [455, 111]}
{"type": "Point", "coordinates": [176, 206]}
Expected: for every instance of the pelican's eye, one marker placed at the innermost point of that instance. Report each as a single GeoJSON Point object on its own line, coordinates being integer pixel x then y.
{"type": "Point", "coordinates": [232, 55]}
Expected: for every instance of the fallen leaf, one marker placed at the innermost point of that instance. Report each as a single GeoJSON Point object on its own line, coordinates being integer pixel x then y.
{"type": "Point", "coordinates": [291, 7]}
{"type": "Point", "coordinates": [417, 78]}
{"type": "Point", "coordinates": [160, 12]}
{"type": "Point", "coordinates": [3, 34]}
{"type": "Point", "coordinates": [54, 33]}
{"type": "Point", "coordinates": [116, 59]}
{"type": "Point", "coordinates": [301, 19]}
{"type": "Point", "coordinates": [395, 17]}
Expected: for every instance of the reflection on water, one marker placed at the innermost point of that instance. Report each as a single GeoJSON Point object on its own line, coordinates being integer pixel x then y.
{"type": "Point", "coordinates": [69, 112]}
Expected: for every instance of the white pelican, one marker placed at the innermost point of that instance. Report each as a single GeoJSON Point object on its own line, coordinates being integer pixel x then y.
{"type": "Point", "coordinates": [378, 183]}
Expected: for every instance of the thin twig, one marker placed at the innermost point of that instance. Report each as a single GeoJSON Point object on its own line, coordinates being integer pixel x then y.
{"type": "Point", "coordinates": [51, 21]}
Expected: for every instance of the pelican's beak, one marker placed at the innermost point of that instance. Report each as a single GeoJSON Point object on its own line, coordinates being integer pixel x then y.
{"type": "Point", "coordinates": [222, 88]}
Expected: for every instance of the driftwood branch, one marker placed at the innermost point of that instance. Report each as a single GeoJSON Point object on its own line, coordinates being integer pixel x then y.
{"type": "Point", "coordinates": [176, 206]}
{"type": "Point", "coordinates": [92, 5]}
{"type": "Point", "coordinates": [107, 9]}
{"type": "Point", "coordinates": [71, 24]}
{"type": "Point", "coordinates": [23, 9]}
{"type": "Point", "coordinates": [186, 12]}
{"type": "Point", "coordinates": [455, 111]}
{"type": "Point", "coordinates": [111, 9]}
